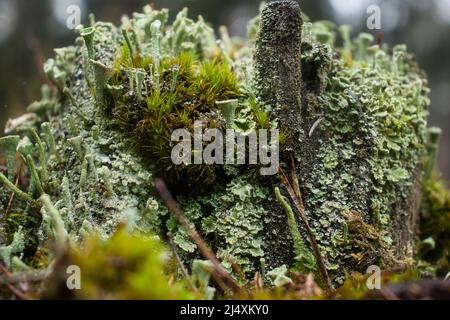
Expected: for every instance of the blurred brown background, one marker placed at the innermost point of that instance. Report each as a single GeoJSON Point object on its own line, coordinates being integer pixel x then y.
{"type": "Point", "coordinates": [30, 29]}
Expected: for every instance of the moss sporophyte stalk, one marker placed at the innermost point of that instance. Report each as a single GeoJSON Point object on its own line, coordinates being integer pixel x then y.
{"type": "Point", "coordinates": [352, 124]}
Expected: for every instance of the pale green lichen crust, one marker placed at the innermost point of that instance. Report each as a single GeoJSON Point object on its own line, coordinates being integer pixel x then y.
{"type": "Point", "coordinates": [100, 143]}
{"type": "Point", "coordinates": [372, 104]}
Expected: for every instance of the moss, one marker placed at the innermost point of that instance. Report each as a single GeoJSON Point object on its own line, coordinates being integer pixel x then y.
{"type": "Point", "coordinates": [179, 89]}
{"type": "Point", "coordinates": [435, 227]}
{"type": "Point", "coordinates": [126, 267]}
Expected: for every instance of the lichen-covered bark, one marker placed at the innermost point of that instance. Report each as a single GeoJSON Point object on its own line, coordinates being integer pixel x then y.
{"type": "Point", "coordinates": [278, 67]}
{"type": "Point", "coordinates": [361, 187]}
{"type": "Point", "coordinates": [278, 88]}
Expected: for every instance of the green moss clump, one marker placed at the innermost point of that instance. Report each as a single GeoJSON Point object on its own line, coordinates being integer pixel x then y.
{"type": "Point", "coordinates": [126, 267]}
{"type": "Point", "coordinates": [187, 91]}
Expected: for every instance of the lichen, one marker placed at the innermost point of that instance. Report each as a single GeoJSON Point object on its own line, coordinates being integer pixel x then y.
{"type": "Point", "coordinates": [14, 248]}
{"type": "Point", "coordinates": [232, 219]}
{"type": "Point", "coordinates": [370, 143]}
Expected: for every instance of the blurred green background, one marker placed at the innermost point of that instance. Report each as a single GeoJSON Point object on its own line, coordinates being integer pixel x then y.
{"type": "Point", "coordinates": [30, 29]}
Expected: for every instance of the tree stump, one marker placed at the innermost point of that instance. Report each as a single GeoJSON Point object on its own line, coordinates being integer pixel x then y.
{"type": "Point", "coordinates": [360, 179]}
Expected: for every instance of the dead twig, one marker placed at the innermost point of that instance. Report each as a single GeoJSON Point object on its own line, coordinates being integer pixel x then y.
{"type": "Point", "coordinates": [28, 277]}
{"type": "Point", "coordinates": [183, 269]}
{"type": "Point", "coordinates": [294, 181]}
{"type": "Point", "coordinates": [237, 269]}
{"type": "Point", "coordinates": [296, 197]}
{"type": "Point", "coordinates": [9, 280]}
{"type": "Point", "coordinates": [258, 282]}
{"type": "Point", "coordinates": [220, 275]}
